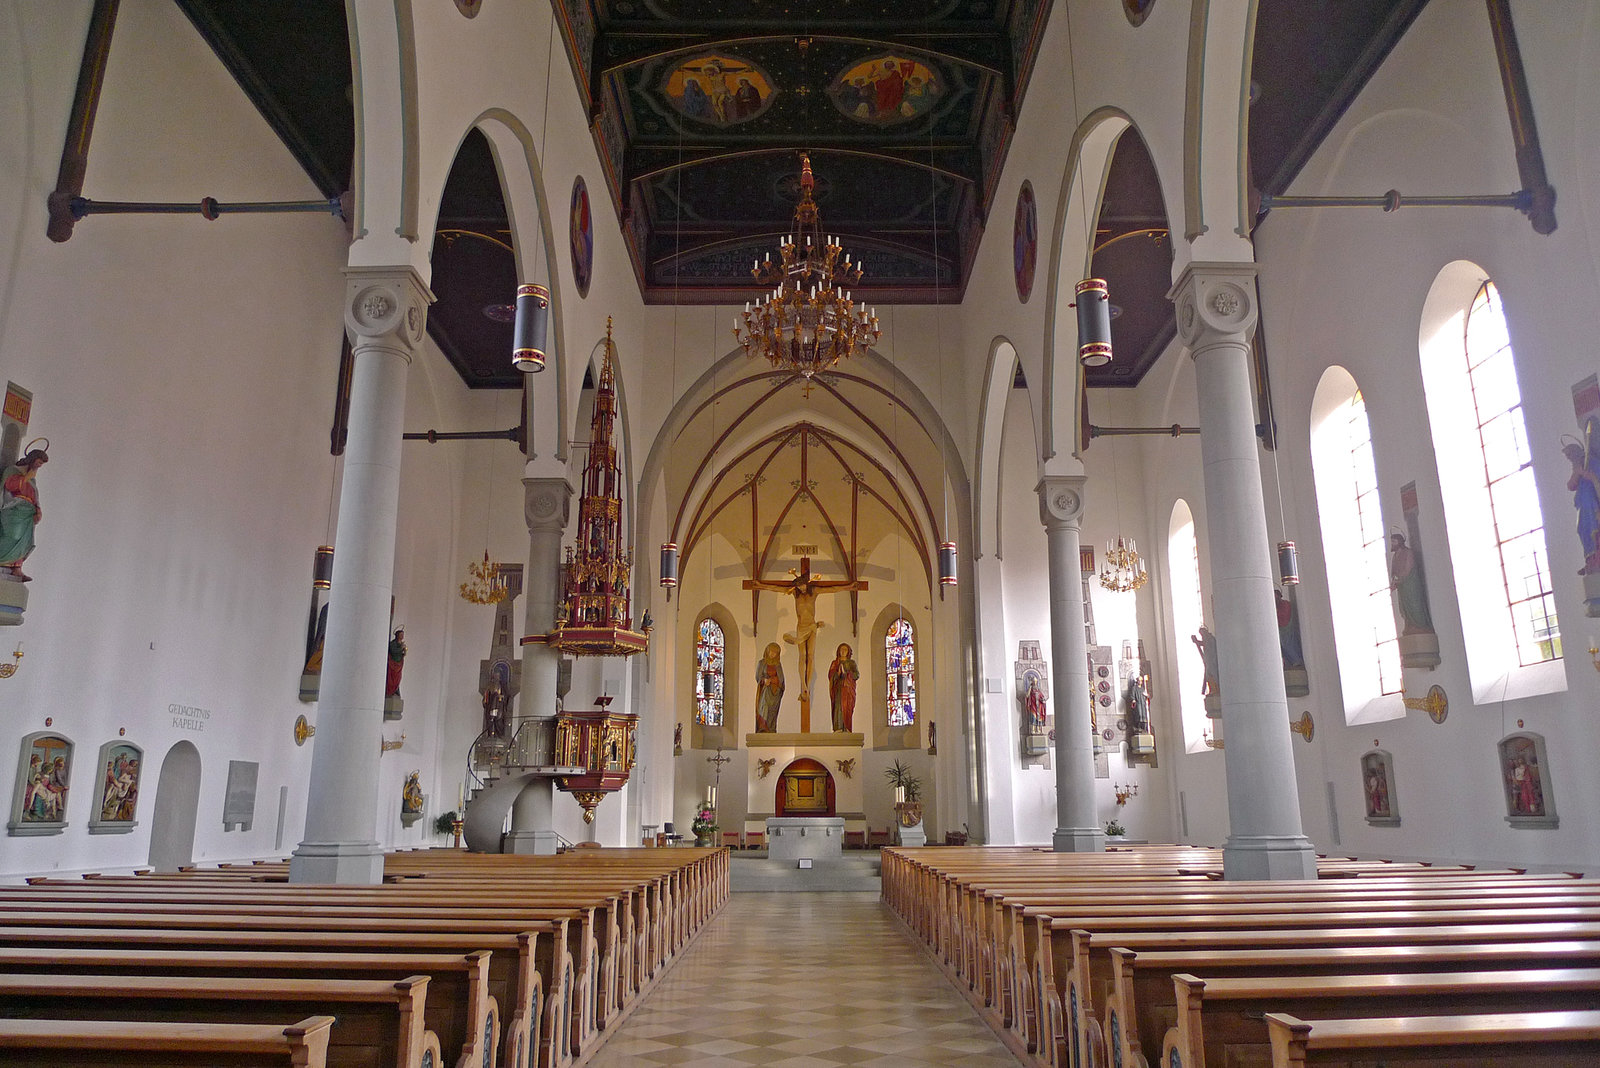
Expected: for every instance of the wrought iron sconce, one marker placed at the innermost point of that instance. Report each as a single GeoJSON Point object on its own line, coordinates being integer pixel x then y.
{"type": "Point", "coordinates": [1125, 792]}
{"type": "Point", "coordinates": [385, 746]}
{"type": "Point", "coordinates": [1305, 727]}
{"type": "Point", "coordinates": [8, 670]}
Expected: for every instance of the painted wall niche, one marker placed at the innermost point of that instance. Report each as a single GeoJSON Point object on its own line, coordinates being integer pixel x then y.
{"type": "Point", "coordinates": [1378, 788]}
{"type": "Point", "coordinates": [116, 797]}
{"type": "Point", "coordinates": [44, 776]}
{"type": "Point", "coordinates": [1525, 774]}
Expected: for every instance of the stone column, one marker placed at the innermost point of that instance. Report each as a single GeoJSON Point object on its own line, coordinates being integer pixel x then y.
{"type": "Point", "coordinates": [1077, 824]}
{"type": "Point", "coordinates": [384, 312]}
{"type": "Point", "coordinates": [546, 506]}
{"type": "Point", "coordinates": [1217, 310]}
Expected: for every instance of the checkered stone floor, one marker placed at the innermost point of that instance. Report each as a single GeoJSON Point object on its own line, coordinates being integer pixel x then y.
{"type": "Point", "coordinates": [804, 981]}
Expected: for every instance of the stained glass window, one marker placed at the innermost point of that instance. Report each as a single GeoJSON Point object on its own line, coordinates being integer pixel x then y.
{"type": "Point", "coordinates": [709, 648]}
{"type": "Point", "coordinates": [900, 654]}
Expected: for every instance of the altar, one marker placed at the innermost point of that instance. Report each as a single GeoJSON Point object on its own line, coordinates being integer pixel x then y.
{"type": "Point", "coordinates": [805, 837]}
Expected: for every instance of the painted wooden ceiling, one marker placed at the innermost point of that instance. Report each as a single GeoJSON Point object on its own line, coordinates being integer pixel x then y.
{"type": "Point", "coordinates": [701, 107]}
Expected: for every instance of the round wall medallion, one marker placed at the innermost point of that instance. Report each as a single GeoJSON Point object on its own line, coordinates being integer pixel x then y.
{"type": "Point", "coordinates": [581, 227]}
{"type": "Point", "coordinates": [469, 8]}
{"type": "Point", "coordinates": [1025, 241]}
{"type": "Point", "coordinates": [1137, 10]}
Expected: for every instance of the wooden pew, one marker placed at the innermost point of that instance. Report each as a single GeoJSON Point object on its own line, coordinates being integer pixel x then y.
{"type": "Point", "coordinates": [74, 1043]}
{"type": "Point", "coordinates": [691, 889]}
{"type": "Point", "coordinates": [480, 1033]}
{"type": "Point", "coordinates": [379, 1023]}
{"type": "Point", "coordinates": [1526, 1039]}
{"type": "Point", "coordinates": [1218, 1018]}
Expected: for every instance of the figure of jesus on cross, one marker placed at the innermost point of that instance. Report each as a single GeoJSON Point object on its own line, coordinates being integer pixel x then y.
{"type": "Point", "coordinates": [804, 589]}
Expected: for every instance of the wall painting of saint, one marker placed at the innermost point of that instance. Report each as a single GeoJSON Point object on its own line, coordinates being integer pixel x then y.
{"type": "Point", "coordinates": [718, 89]}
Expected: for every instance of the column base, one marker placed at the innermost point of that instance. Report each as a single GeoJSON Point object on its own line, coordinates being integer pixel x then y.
{"type": "Point", "coordinates": [1078, 840]}
{"type": "Point", "coordinates": [1288, 856]}
{"type": "Point", "coordinates": [345, 863]}
{"type": "Point", "coordinates": [531, 843]}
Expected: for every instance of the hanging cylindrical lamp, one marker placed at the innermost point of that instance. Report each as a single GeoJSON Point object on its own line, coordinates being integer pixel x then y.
{"type": "Point", "coordinates": [322, 568]}
{"type": "Point", "coordinates": [532, 325]}
{"type": "Point", "coordinates": [1094, 322]}
{"type": "Point", "coordinates": [669, 564]}
{"type": "Point", "coordinates": [1288, 563]}
{"type": "Point", "coordinates": [947, 563]}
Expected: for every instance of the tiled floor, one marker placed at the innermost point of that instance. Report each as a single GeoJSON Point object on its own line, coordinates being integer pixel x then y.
{"type": "Point", "coordinates": [804, 981]}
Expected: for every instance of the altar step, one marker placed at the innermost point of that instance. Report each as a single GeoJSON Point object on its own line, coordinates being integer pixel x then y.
{"type": "Point", "coordinates": [760, 873]}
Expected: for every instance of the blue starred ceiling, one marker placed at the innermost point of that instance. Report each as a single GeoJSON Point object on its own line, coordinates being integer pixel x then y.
{"type": "Point", "coordinates": [701, 109]}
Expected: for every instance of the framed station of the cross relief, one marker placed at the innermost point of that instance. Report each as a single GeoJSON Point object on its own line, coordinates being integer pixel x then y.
{"type": "Point", "coordinates": [44, 776]}
{"type": "Point", "coordinates": [116, 796]}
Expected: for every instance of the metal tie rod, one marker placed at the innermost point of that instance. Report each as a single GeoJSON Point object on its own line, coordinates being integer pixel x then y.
{"type": "Point", "coordinates": [433, 437]}
{"type": "Point", "coordinates": [1522, 200]}
{"type": "Point", "coordinates": [1172, 431]}
{"type": "Point", "coordinates": [208, 207]}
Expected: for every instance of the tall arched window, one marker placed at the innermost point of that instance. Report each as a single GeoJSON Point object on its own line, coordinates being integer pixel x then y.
{"type": "Point", "coordinates": [900, 656]}
{"type": "Point", "coordinates": [1491, 372]}
{"type": "Point", "coordinates": [709, 660]}
{"type": "Point", "coordinates": [1355, 547]}
{"type": "Point", "coordinates": [1491, 504]}
{"type": "Point", "coordinates": [1183, 569]}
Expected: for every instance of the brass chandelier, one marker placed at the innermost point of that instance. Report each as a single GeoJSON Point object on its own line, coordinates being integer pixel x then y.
{"type": "Point", "coordinates": [808, 321]}
{"type": "Point", "coordinates": [1122, 570]}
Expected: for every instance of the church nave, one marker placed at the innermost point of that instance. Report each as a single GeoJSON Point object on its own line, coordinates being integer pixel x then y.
{"type": "Point", "coordinates": [803, 981]}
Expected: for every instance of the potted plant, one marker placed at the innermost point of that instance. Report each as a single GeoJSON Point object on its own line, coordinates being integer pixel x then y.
{"type": "Point", "coordinates": [444, 823]}
{"type": "Point", "coordinates": [704, 826]}
{"type": "Point", "coordinates": [899, 775]}
{"type": "Point", "coordinates": [1115, 829]}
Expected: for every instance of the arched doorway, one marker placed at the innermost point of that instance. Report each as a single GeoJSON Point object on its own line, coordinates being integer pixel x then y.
{"type": "Point", "coordinates": [176, 809]}
{"type": "Point", "coordinates": [804, 789]}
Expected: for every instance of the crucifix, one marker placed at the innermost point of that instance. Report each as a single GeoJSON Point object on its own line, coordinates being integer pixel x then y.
{"type": "Point", "coordinates": [717, 761]}
{"type": "Point", "coordinates": [804, 589]}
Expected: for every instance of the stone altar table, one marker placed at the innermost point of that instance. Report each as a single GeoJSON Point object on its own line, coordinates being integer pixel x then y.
{"type": "Point", "coordinates": [795, 837]}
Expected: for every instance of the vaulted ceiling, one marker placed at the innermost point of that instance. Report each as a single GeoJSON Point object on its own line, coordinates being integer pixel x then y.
{"type": "Point", "coordinates": [700, 108]}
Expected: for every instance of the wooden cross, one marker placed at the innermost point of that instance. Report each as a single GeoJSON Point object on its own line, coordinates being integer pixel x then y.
{"type": "Point", "coordinates": [804, 589]}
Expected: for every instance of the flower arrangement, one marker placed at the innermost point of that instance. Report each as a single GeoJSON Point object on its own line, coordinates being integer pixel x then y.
{"type": "Point", "coordinates": [705, 822]}
{"type": "Point", "coordinates": [1114, 829]}
{"type": "Point", "coordinates": [445, 823]}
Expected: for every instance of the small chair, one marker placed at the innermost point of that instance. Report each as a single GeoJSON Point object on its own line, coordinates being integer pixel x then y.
{"type": "Point", "coordinates": [755, 839]}
{"type": "Point", "coordinates": [731, 840]}
{"type": "Point", "coordinates": [876, 838]}
{"type": "Point", "coordinates": [855, 839]}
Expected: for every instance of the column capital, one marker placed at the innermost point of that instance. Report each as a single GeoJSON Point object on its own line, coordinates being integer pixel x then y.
{"type": "Point", "coordinates": [1061, 501]}
{"type": "Point", "coordinates": [546, 504]}
{"type": "Point", "coordinates": [386, 307]}
{"type": "Point", "coordinates": [1215, 301]}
